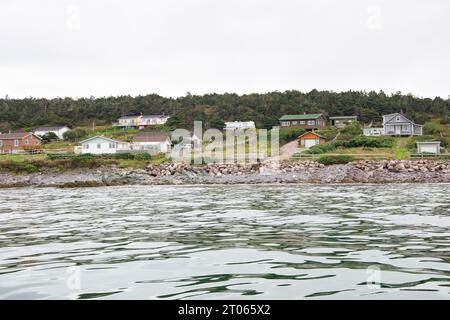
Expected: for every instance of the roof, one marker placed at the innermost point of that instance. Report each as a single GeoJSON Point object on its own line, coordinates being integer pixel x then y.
{"type": "Point", "coordinates": [301, 116]}
{"type": "Point", "coordinates": [50, 128]}
{"type": "Point", "coordinates": [343, 117]}
{"type": "Point", "coordinates": [151, 136]}
{"type": "Point", "coordinates": [311, 132]}
{"type": "Point", "coordinates": [391, 116]}
{"type": "Point", "coordinates": [102, 137]}
{"type": "Point", "coordinates": [428, 142]}
{"type": "Point", "coordinates": [14, 135]}
{"type": "Point", "coordinates": [129, 117]}
{"type": "Point", "coordinates": [155, 116]}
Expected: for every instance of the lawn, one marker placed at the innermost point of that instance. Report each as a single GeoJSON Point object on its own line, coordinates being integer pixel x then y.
{"type": "Point", "coordinates": [21, 157]}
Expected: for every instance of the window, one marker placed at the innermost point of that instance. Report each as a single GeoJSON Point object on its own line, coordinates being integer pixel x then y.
{"type": "Point", "coordinates": [311, 122]}
{"type": "Point", "coordinates": [398, 118]}
{"type": "Point", "coordinates": [86, 146]}
{"type": "Point", "coordinates": [26, 141]}
{"type": "Point", "coordinates": [302, 122]}
{"type": "Point", "coordinates": [317, 141]}
{"type": "Point", "coordinates": [294, 123]}
{"type": "Point", "coordinates": [99, 145]}
{"type": "Point", "coordinates": [16, 143]}
{"type": "Point", "coordinates": [1, 143]}
{"type": "Point", "coordinates": [405, 128]}
{"type": "Point", "coordinates": [302, 142]}
{"type": "Point", "coordinates": [112, 145]}
{"type": "Point", "coordinates": [285, 123]}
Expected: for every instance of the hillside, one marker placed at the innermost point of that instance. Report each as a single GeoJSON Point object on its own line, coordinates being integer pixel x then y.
{"type": "Point", "coordinates": [214, 109]}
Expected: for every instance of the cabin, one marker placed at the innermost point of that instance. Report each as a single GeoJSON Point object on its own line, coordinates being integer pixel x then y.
{"type": "Point", "coordinates": [309, 122]}
{"type": "Point", "coordinates": [341, 122]}
{"type": "Point", "coordinates": [103, 145]}
{"type": "Point", "coordinates": [18, 142]}
{"type": "Point", "coordinates": [57, 130]}
{"type": "Point", "coordinates": [153, 142]}
{"type": "Point", "coordinates": [433, 147]}
{"type": "Point", "coordinates": [396, 124]}
{"type": "Point", "coordinates": [235, 125]}
{"type": "Point", "coordinates": [310, 139]}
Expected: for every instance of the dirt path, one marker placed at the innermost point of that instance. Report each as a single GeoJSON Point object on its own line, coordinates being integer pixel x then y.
{"type": "Point", "coordinates": [287, 151]}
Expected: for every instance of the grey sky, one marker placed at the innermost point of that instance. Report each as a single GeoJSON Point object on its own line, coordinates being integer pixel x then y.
{"type": "Point", "coordinates": [79, 48]}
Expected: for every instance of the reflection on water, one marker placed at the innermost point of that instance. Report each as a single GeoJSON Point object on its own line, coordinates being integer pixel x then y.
{"type": "Point", "coordinates": [226, 242]}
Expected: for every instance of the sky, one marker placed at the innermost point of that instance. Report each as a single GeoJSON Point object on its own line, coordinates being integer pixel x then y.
{"type": "Point", "coordinates": [83, 48]}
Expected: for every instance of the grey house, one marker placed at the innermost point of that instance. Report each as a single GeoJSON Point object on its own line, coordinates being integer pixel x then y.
{"type": "Point", "coordinates": [398, 125]}
{"type": "Point", "coordinates": [395, 124]}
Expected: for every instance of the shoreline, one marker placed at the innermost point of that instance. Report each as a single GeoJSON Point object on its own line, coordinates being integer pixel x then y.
{"type": "Point", "coordinates": [293, 172]}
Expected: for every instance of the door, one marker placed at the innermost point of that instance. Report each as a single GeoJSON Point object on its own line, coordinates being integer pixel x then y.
{"type": "Point", "coordinates": [310, 142]}
{"type": "Point", "coordinates": [398, 129]}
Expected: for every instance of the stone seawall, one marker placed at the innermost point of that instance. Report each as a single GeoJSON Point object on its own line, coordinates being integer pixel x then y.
{"type": "Point", "coordinates": [387, 171]}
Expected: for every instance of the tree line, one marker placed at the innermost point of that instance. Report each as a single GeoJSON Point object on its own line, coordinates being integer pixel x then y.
{"type": "Point", "coordinates": [215, 109]}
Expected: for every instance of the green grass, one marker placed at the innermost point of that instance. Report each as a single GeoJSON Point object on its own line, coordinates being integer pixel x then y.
{"type": "Point", "coordinates": [21, 157]}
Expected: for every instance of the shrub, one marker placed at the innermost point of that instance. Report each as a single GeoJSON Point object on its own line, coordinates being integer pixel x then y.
{"type": "Point", "coordinates": [324, 148]}
{"type": "Point", "coordinates": [75, 134]}
{"type": "Point", "coordinates": [353, 129]}
{"type": "Point", "coordinates": [328, 133]}
{"type": "Point", "coordinates": [339, 159]}
{"type": "Point", "coordinates": [30, 168]}
{"type": "Point", "coordinates": [142, 156]}
{"type": "Point", "coordinates": [290, 134]}
{"type": "Point", "coordinates": [122, 156]}
{"type": "Point", "coordinates": [431, 128]}
{"type": "Point", "coordinates": [49, 137]}
{"type": "Point", "coordinates": [370, 142]}
{"type": "Point", "coordinates": [365, 142]}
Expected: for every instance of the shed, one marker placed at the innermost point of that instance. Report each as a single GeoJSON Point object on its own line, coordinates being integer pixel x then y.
{"type": "Point", "coordinates": [429, 147]}
{"type": "Point", "coordinates": [309, 139]}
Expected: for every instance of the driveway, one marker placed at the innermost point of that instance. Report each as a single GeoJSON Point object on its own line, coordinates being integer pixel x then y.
{"type": "Point", "coordinates": [287, 151]}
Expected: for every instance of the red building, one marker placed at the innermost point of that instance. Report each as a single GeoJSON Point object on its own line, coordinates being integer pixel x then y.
{"type": "Point", "coordinates": [18, 141]}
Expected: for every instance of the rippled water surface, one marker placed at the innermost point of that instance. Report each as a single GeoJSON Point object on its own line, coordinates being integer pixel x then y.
{"type": "Point", "coordinates": [226, 242]}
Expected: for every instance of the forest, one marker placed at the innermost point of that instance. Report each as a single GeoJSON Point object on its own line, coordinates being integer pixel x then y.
{"type": "Point", "coordinates": [214, 109]}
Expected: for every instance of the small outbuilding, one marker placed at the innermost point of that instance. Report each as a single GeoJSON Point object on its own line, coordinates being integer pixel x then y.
{"type": "Point", "coordinates": [310, 139]}
{"type": "Point", "coordinates": [342, 121]}
{"type": "Point", "coordinates": [152, 142]}
{"type": "Point", "coordinates": [429, 147]}
{"type": "Point", "coordinates": [57, 130]}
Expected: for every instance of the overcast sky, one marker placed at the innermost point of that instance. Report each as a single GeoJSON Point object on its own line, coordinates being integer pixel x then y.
{"type": "Point", "coordinates": [78, 48]}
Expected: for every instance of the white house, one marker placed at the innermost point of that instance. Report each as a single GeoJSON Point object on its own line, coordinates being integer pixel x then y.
{"type": "Point", "coordinates": [429, 147]}
{"type": "Point", "coordinates": [152, 120]}
{"type": "Point", "coordinates": [127, 122]}
{"type": "Point", "coordinates": [239, 125]}
{"type": "Point", "coordinates": [103, 145]}
{"type": "Point", "coordinates": [395, 124]}
{"type": "Point", "coordinates": [153, 142]}
{"type": "Point", "coordinates": [141, 121]}
{"type": "Point", "coordinates": [58, 130]}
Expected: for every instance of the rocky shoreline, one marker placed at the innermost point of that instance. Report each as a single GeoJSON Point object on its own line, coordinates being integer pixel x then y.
{"type": "Point", "coordinates": [365, 171]}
